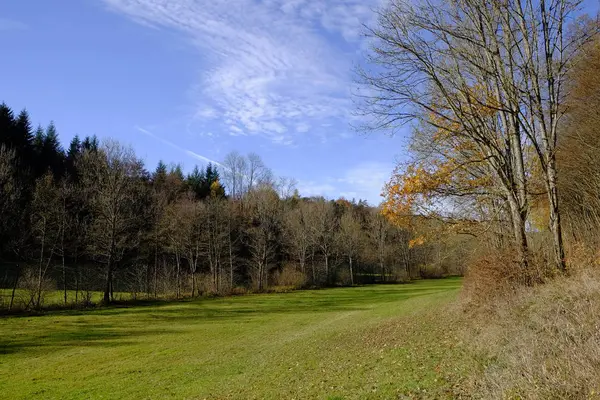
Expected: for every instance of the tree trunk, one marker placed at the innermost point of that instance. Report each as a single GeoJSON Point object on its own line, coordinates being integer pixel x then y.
{"type": "Point", "coordinates": [326, 269]}
{"type": "Point", "coordinates": [555, 220]}
{"type": "Point", "coordinates": [193, 282]}
{"type": "Point", "coordinates": [14, 289]}
{"type": "Point", "coordinates": [39, 283]}
{"type": "Point", "coordinates": [230, 261]}
{"type": "Point", "coordinates": [518, 221]}
{"type": "Point", "coordinates": [108, 286]}
{"type": "Point", "coordinates": [177, 279]}
{"type": "Point", "coordinates": [64, 271]}
{"type": "Point", "coordinates": [351, 272]}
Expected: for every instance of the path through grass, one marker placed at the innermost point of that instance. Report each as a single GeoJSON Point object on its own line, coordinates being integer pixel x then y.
{"type": "Point", "coordinates": [380, 341]}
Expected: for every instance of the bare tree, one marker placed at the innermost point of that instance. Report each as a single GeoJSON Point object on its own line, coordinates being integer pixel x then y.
{"type": "Point", "coordinates": [257, 173]}
{"type": "Point", "coordinates": [298, 232]}
{"type": "Point", "coordinates": [234, 172]}
{"type": "Point", "coordinates": [263, 234]}
{"type": "Point", "coordinates": [111, 180]}
{"type": "Point", "coordinates": [323, 227]}
{"type": "Point", "coordinates": [378, 232]}
{"type": "Point", "coordinates": [286, 187]}
{"type": "Point", "coordinates": [48, 229]}
{"type": "Point", "coordinates": [192, 234]}
{"type": "Point", "coordinates": [349, 239]}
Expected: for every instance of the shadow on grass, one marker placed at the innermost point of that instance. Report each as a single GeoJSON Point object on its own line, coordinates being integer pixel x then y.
{"type": "Point", "coordinates": [85, 335]}
{"type": "Point", "coordinates": [322, 300]}
{"type": "Point", "coordinates": [122, 324]}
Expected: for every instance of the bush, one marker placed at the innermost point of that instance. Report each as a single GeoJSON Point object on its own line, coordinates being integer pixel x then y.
{"type": "Point", "coordinates": [289, 277]}
{"type": "Point", "coordinates": [432, 271]}
{"type": "Point", "coordinates": [493, 275]}
{"type": "Point", "coordinates": [34, 291]}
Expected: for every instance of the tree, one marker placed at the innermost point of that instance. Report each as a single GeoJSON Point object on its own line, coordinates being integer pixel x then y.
{"type": "Point", "coordinates": [111, 181]}
{"type": "Point", "coordinates": [48, 229]}
{"type": "Point", "coordinates": [379, 234]}
{"type": "Point", "coordinates": [349, 239]}
{"type": "Point", "coordinates": [192, 215]}
{"type": "Point", "coordinates": [579, 148]}
{"type": "Point", "coordinates": [323, 223]}
{"type": "Point", "coordinates": [234, 171]}
{"type": "Point", "coordinates": [298, 233]}
{"type": "Point", "coordinates": [487, 75]}
{"type": "Point", "coordinates": [263, 234]}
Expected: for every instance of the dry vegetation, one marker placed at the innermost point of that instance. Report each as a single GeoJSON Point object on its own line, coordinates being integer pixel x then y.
{"type": "Point", "coordinates": [540, 343]}
{"type": "Point", "coordinates": [505, 96]}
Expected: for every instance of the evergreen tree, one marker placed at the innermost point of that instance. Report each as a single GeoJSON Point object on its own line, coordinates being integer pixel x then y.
{"type": "Point", "coordinates": [90, 143]}
{"type": "Point", "coordinates": [49, 154]}
{"type": "Point", "coordinates": [73, 154]}
{"type": "Point", "coordinates": [195, 181]}
{"type": "Point", "coordinates": [7, 125]}
{"type": "Point", "coordinates": [23, 139]}
{"type": "Point", "coordinates": [161, 171]}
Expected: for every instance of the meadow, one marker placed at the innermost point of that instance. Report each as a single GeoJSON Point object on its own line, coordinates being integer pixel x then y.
{"type": "Point", "coordinates": [381, 341]}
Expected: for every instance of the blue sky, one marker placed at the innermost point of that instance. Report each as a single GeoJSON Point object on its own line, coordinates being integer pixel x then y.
{"type": "Point", "coordinates": [185, 80]}
{"type": "Point", "coordinates": [189, 80]}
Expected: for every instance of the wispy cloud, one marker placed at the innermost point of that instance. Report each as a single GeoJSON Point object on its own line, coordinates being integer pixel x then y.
{"type": "Point", "coordinates": [173, 145]}
{"type": "Point", "coordinates": [12, 25]}
{"type": "Point", "coordinates": [270, 65]}
{"type": "Point", "coordinates": [362, 182]}
{"type": "Point", "coordinates": [312, 188]}
{"type": "Point", "coordinates": [366, 180]}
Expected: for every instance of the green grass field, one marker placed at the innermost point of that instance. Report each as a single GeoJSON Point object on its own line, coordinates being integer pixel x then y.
{"type": "Point", "coordinates": [384, 341]}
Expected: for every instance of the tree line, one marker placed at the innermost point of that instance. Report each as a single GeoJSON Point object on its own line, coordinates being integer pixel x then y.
{"type": "Point", "coordinates": [93, 218]}
{"type": "Point", "coordinates": [490, 89]}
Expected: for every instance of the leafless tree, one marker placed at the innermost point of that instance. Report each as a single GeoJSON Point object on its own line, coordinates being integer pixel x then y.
{"type": "Point", "coordinates": [298, 233]}
{"type": "Point", "coordinates": [349, 239]}
{"type": "Point", "coordinates": [263, 233]}
{"type": "Point", "coordinates": [322, 221]}
{"type": "Point", "coordinates": [46, 223]}
{"type": "Point", "coordinates": [111, 182]}
{"type": "Point", "coordinates": [234, 172]}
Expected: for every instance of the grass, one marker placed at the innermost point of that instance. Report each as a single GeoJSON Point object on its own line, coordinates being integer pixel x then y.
{"type": "Point", "coordinates": [384, 341]}
{"type": "Point", "coordinates": [55, 298]}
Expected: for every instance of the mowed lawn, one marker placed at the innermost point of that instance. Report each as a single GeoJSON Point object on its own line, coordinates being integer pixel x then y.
{"type": "Point", "coordinates": [384, 341]}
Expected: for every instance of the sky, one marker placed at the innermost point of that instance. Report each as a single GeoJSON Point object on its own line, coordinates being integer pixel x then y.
{"type": "Point", "coordinates": [188, 81]}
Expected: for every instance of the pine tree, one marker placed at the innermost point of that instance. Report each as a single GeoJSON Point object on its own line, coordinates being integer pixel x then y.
{"type": "Point", "coordinates": [7, 125]}
{"type": "Point", "coordinates": [160, 174]}
{"type": "Point", "coordinates": [23, 139]}
{"type": "Point", "coordinates": [73, 154]}
{"type": "Point", "coordinates": [195, 181]}
{"type": "Point", "coordinates": [52, 152]}
{"type": "Point", "coordinates": [90, 143]}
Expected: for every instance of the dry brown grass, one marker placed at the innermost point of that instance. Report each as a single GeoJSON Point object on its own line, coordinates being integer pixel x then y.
{"type": "Point", "coordinates": [494, 275]}
{"type": "Point", "coordinates": [540, 342]}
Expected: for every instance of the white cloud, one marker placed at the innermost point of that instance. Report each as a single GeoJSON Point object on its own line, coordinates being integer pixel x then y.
{"type": "Point", "coordinates": [270, 67]}
{"type": "Point", "coordinates": [173, 145]}
{"type": "Point", "coordinates": [364, 181]}
{"type": "Point", "coordinates": [312, 188]}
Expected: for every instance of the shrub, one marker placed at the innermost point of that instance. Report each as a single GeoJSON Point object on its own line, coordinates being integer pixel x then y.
{"type": "Point", "coordinates": [493, 275]}
{"type": "Point", "coordinates": [288, 277]}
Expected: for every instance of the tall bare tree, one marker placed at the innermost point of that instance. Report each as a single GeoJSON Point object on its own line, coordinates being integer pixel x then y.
{"type": "Point", "coordinates": [298, 232]}
{"type": "Point", "coordinates": [350, 239]}
{"type": "Point", "coordinates": [263, 234]}
{"type": "Point", "coordinates": [111, 180]}
{"type": "Point", "coordinates": [234, 172]}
